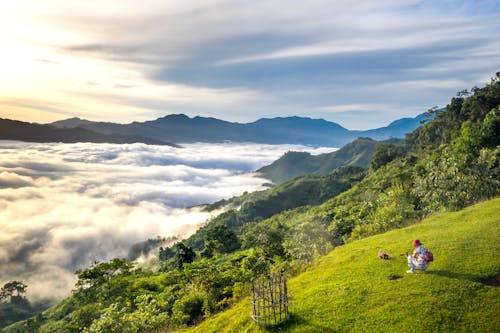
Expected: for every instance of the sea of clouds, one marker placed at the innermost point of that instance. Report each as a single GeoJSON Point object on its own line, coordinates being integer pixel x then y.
{"type": "Point", "coordinates": [63, 206]}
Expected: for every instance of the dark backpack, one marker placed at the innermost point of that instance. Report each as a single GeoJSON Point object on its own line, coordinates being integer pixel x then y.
{"type": "Point", "coordinates": [428, 256]}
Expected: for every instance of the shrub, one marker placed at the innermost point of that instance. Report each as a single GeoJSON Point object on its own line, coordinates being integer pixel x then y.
{"type": "Point", "coordinates": [188, 310]}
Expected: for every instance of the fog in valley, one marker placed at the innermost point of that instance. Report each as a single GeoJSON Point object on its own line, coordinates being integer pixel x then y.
{"type": "Point", "coordinates": [63, 206]}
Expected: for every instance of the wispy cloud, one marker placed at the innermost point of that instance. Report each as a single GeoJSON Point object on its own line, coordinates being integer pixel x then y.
{"type": "Point", "coordinates": [356, 107]}
{"type": "Point", "coordinates": [372, 36]}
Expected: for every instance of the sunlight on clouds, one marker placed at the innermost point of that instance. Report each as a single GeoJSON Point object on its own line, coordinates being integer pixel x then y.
{"type": "Point", "coordinates": [38, 78]}
{"type": "Point", "coordinates": [19, 112]}
{"type": "Point", "coordinates": [101, 90]}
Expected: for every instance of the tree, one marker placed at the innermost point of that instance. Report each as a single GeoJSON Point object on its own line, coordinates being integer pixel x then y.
{"type": "Point", "coordinates": [166, 253]}
{"type": "Point", "coordinates": [14, 306]}
{"type": "Point", "coordinates": [491, 128]}
{"type": "Point", "coordinates": [385, 153]}
{"type": "Point", "coordinates": [184, 254]}
{"type": "Point", "coordinates": [453, 179]}
{"type": "Point", "coordinates": [221, 239]}
{"type": "Point", "coordinates": [101, 273]}
{"type": "Point", "coordinates": [308, 240]}
{"type": "Point", "coordinates": [268, 238]}
{"type": "Point", "coordinates": [7, 291]}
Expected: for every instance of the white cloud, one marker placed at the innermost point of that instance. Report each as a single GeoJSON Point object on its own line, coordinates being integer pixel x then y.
{"type": "Point", "coordinates": [13, 180]}
{"type": "Point", "coordinates": [63, 206]}
{"type": "Point", "coordinates": [357, 107]}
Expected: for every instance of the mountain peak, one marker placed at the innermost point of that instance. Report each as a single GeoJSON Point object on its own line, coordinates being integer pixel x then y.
{"type": "Point", "coordinates": [70, 122]}
{"type": "Point", "coordinates": [174, 116]}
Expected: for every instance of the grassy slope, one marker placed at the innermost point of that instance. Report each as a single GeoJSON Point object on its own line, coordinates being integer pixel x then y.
{"type": "Point", "coordinates": [348, 290]}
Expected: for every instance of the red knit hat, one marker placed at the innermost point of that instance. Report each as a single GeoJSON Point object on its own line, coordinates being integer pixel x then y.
{"type": "Point", "coordinates": [416, 243]}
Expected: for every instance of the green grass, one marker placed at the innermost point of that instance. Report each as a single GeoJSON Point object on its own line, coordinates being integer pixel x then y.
{"type": "Point", "coordinates": [349, 291]}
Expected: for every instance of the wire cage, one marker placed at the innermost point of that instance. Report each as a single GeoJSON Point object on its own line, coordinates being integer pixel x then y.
{"type": "Point", "coordinates": [270, 300]}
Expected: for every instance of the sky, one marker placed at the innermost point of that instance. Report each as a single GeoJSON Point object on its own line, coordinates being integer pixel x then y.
{"type": "Point", "coordinates": [63, 206]}
{"type": "Point", "coordinates": [359, 63]}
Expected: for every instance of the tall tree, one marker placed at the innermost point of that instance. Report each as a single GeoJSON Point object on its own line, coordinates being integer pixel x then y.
{"type": "Point", "coordinates": [7, 291]}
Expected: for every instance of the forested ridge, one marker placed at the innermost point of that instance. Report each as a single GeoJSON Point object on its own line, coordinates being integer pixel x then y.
{"type": "Point", "coordinates": [450, 162]}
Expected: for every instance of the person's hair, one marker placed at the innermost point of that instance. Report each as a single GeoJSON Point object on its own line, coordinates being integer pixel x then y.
{"type": "Point", "coordinates": [416, 243]}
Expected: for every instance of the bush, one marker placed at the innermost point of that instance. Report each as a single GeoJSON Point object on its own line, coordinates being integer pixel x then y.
{"type": "Point", "coordinates": [188, 310]}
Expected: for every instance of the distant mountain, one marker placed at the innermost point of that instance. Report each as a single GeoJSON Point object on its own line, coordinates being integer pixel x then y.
{"type": "Point", "coordinates": [292, 164]}
{"type": "Point", "coordinates": [180, 128]}
{"type": "Point", "coordinates": [23, 131]}
{"type": "Point", "coordinates": [299, 130]}
{"type": "Point", "coordinates": [396, 129]}
{"type": "Point", "coordinates": [71, 123]}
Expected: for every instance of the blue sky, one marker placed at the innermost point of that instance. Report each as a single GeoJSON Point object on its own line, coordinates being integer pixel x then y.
{"type": "Point", "coordinates": [361, 64]}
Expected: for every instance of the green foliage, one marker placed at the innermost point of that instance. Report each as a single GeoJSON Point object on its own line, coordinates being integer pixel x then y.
{"type": "Point", "coordinates": [267, 237]}
{"type": "Point", "coordinates": [8, 290]}
{"type": "Point", "coordinates": [451, 162]}
{"type": "Point", "coordinates": [148, 316]}
{"type": "Point", "coordinates": [385, 153]}
{"type": "Point", "coordinates": [393, 209]}
{"type": "Point", "coordinates": [98, 279]}
{"type": "Point", "coordinates": [165, 253]}
{"type": "Point", "coordinates": [82, 317]}
{"type": "Point", "coordinates": [462, 172]}
{"type": "Point", "coordinates": [307, 241]}
{"type": "Point", "coordinates": [184, 254]}
{"type": "Point", "coordinates": [100, 273]}
{"type": "Point", "coordinates": [257, 263]}
{"type": "Point", "coordinates": [490, 130]}
{"type": "Point", "coordinates": [220, 239]}
{"type": "Point", "coordinates": [441, 183]}
{"type": "Point", "coordinates": [188, 309]}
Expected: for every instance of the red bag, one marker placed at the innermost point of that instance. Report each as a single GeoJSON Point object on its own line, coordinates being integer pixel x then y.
{"type": "Point", "coordinates": [383, 255]}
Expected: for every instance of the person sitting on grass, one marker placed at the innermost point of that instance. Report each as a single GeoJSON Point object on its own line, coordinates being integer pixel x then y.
{"type": "Point", "coordinates": [417, 260]}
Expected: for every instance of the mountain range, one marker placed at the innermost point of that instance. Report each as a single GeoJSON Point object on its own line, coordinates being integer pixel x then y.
{"type": "Point", "coordinates": [180, 128]}
{"type": "Point", "coordinates": [23, 131]}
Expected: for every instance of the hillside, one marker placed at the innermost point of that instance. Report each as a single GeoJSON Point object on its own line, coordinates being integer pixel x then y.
{"type": "Point", "coordinates": [260, 205]}
{"type": "Point", "coordinates": [349, 291]}
{"type": "Point", "coordinates": [22, 131]}
{"type": "Point", "coordinates": [180, 128]}
{"type": "Point", "coordinates": [292, 164]}
{"type": "Point", "coordinates": [301, 191]}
